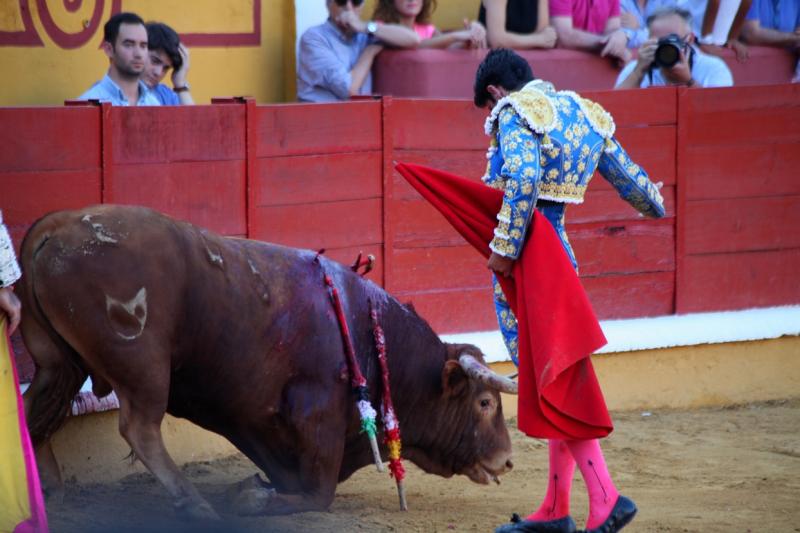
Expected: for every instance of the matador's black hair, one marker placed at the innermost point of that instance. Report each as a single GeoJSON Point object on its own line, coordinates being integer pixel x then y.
{"type": "Point", "coordinates": [501, 67]}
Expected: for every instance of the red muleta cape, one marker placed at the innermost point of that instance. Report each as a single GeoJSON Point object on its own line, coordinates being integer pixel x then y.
{"type": "Point", "coordinates": [559, 396]}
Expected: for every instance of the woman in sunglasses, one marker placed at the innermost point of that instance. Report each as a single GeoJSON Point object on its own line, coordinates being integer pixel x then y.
{"type": "Point", "coordinates": [335, 58]}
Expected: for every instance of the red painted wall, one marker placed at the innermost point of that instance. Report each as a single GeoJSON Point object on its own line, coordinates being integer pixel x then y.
{"type": "Point", "coordinates": [321, 176]}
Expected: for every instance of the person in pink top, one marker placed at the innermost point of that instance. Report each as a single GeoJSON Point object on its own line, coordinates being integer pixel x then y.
{"type": "Point", "coordinates": [591, 25]}
{"type": "Point", "coordinates": [416, 14]}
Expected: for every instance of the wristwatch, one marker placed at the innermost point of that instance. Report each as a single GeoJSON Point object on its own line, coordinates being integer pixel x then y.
{"type": "Point", "coordinates": [181, 89]}
{"type": "Point", "coordinates": [372, 27]}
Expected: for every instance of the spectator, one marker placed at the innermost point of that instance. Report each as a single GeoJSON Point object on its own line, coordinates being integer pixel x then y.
{"type": "Point", "coordinates": [774, 23]}
{"type": "Point", "coordinates": [633, 19]}
{"type": "Point", "coordinates": [692, 68]}
{"type": "Point", "coordinates": [336, 56]}
{"type": "Point", "coordinates": [166, 52]}
{"type": "Point", "coordinates": [519, 24]}
{"type": "Point", "coordinates": [125, 44]}
{"type": "Point", "coordinates": [591, 25]}
{"type": "Point", "coordinates": [715, 23]}
{"type": "Point", "coordinates": [416, 14]}
{"type": "Point", "coordinates": [21, 504]}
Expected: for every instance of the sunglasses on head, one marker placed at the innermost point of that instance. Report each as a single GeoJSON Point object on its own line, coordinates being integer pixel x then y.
{"type": "Point", "coordinates": [342, 3]}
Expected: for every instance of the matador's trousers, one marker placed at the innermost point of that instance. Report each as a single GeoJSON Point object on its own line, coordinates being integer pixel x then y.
{"type": "Point", "coordinates": [554, 212]}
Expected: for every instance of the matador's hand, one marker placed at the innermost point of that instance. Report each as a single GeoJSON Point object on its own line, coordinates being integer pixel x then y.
{"type": "Point", "coordinates": [500, 265]}
{"type": "Point", "coordinates": [10, 305]}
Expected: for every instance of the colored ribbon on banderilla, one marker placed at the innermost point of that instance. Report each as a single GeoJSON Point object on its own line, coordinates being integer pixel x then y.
{"type": "Point", "coordinates": [357, 381]}
{"type": "Point", "coordinates": [391, 426]}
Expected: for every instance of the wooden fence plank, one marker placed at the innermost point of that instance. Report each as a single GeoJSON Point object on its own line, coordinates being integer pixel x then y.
{"type": "Point", "coordinates": [30, 195]}
{"type": "Point", "coordinates": [321, 225]}
{"type": "Point", "coordinates": [318, 178]}
{"type": "Point", "coordinates": [456, 311]}
{"type": "Point", "coordinates": [42, 139]}
{"type": "Point", "coordinates": [740, 281]}
{"type": "Point", "coordinates": [742, 224]}
{"type": "Point", "coordinates": [444, 268]}
{"type": "Point", "coordinates": [302, 129]}
{"type": "Point", "coordinates": [178, 133]}
{"type": "Point", "coordinates": [438, 125]}
{"type": "Point", "coordinates": [742, 170]}
{"type": "Point", "coordinates": [210, 194]}
{"type": "Point", "coordinates": [631, 295]}
{"type": "Point", "coordinates": [628, 247]}
{"type": "Point", "coordinates": [656, 105]}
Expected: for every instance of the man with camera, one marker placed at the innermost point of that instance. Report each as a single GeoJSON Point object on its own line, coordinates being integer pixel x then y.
{"type": "Point", "coordinates": [669, 57]}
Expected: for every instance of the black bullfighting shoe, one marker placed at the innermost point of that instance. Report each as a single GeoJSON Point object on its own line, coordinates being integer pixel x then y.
{"type": "Point", "coordinates": [518, 525]}
{"type": "Point", "coordinates": [622, 513]}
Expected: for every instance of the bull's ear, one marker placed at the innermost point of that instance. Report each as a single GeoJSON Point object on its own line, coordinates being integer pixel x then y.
{"type": "Point", "coordinates": [454, 380]}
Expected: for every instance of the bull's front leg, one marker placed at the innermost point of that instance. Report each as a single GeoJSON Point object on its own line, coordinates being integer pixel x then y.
{"type": "Point", "coordinates": [304, 473]}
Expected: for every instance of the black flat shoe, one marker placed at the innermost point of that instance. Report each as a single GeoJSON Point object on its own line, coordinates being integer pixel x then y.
{"type": "Point", "coordinates": [518, 525]}
{"type": "Point", "coordinates": [622, 513]}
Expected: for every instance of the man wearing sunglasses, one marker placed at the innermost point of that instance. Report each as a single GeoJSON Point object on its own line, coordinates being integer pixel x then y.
{"type": "Point", "coordinates": [693, 68]}
{"type": "Point", "coordinates": [336, 57]}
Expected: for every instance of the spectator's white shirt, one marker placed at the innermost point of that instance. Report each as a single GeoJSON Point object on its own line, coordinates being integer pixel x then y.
{"type": "Point", "coordinates": [707, 71]}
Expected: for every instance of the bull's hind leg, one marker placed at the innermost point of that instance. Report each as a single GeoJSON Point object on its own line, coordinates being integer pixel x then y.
{"type": "Point", "coordinates": [143, 400]}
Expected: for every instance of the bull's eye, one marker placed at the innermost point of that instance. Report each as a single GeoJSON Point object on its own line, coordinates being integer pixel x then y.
{"type": "Point", "coordinates": [485, 403]}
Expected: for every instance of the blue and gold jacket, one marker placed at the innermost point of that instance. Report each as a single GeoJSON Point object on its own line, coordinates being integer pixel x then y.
{"type": "Point", "coordinates": [546, 145]}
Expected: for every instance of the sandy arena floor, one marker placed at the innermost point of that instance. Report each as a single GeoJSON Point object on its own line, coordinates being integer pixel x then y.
{"type": "Point", "coordinates": [732, 470]}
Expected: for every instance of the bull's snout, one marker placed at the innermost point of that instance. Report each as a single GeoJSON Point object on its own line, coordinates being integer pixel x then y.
{"type": "Point", "coordinates": [509, 465]}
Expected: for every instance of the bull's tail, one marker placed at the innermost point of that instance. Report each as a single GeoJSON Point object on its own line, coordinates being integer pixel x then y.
{"type": "Point", "coordinates": [59, 374]}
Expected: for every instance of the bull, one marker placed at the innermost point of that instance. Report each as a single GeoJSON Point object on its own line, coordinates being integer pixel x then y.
{"type": "Point", "coordinates": [240, 338]}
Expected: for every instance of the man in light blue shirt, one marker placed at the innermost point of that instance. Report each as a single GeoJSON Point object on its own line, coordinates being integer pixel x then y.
{"type": "Point", "coordinates": [125, 44]}
{"type": "Point", "coordinates": [693, 68]}
{"type": "Point", "coordinates": [335, 58]}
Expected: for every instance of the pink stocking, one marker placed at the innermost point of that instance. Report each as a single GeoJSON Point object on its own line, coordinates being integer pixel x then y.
{"type": "Point", "coordinates": [602, 492]}
{"type": "Point", "coordinates": [559, 482]}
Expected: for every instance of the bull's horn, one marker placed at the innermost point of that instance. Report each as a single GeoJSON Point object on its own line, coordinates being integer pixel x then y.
{"type": "Point", "coordinates": [481, 372]}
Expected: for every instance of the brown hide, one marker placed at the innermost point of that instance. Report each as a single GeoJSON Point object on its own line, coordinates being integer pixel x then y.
{"type": "Point", "coordinates": [239, 337]}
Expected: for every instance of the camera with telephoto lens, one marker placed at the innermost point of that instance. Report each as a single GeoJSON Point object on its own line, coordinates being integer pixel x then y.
{"type": "Point", "coordinates": [668, 51]}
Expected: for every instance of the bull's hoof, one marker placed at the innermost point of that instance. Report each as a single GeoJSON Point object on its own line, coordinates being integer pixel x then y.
{"type": "Point", "coordinates": [195, 511]}
{"type": "Point", "coordinates": [252, 501]}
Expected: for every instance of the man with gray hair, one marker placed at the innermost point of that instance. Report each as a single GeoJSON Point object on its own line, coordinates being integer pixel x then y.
{"type": "Point", "coordinates": [669, 57]}
{"type": "Point", "coordinates": [336, 57]}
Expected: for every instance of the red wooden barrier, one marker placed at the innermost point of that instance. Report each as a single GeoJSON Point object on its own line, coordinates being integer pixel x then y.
{"type": "Point", "coordinates": [451, 73]}
{"type": "Point", "coordinates": [321, 176]}
{"type": "Point", "coordinates": [45, 164]}
{"type": "Point", "coordinates": [738, 234]}
{"type": "Point", "coordinates": [319, 179]}
{"type": "Point", "coordinates": [187, 162]}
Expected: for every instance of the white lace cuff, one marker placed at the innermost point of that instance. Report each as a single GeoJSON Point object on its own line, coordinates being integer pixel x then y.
{"type": "Point", "coordinates": [9, 269]}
